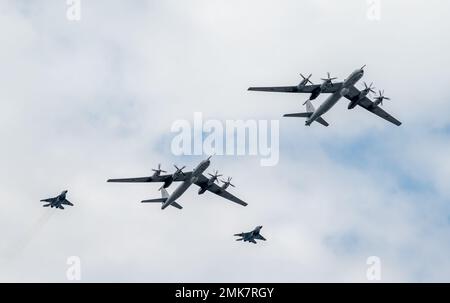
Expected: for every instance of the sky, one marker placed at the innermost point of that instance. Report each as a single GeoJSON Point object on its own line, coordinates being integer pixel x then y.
{"type": "Point", "coordinates": [84, 101]}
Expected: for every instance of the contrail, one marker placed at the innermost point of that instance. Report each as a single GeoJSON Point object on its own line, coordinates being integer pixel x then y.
{"type": "Point", "coordinates": [29, 236]}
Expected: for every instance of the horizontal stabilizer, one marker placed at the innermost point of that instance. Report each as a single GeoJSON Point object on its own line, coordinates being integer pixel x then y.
{"type": "Point", "coordinates": [299, 115]}
{"type": "Point", "coordinates": [176, 205]}
{"type": "Point", "coordinates": [158, 200]}
{"type": "Point", "coordinates": [322, 121]}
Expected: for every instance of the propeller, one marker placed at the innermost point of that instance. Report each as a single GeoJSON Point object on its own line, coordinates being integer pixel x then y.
{"type": "Point", "coordinates": [329, 80]}
{"type": "Point", "coordinates": [370, 88]}
{"type": "Point", "coordinates": [228, 182]}
{"type": "Point", "coordinates": [379, 99]}
{"type": "Point", "coordinates": [215, 176]}
{"type": "Point", "coordinates": [159, 170]}
{"type": "Point", "coordinates": [306, 79]}
{"type": "Point", "coordinates": [179, 170]}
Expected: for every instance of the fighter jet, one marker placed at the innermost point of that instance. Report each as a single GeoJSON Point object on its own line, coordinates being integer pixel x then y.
{"type": "Point", "coordinates": [187, 179]}
{"type": "Point", "coordinates": [251, 236]}
{"type": "Point", "coordinates": [345, 89]}
{"type": "Point", "coordinates": [57, 201]}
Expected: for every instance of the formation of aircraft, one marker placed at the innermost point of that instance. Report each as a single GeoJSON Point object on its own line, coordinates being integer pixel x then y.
{"type": "Point", "coordinates": [251, 236]}
{"type": "Point", "coordinates": [57, 201]}
{"type": "Point", "coordinates": [338, 90]}
{"type": "Point", "coordinates": [344, 89]}
{"type": "Point", "coordinates": [187, 179]}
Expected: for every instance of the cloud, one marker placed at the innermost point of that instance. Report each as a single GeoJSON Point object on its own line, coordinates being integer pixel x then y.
{"type": "Point", "coordinates": [83, 102]}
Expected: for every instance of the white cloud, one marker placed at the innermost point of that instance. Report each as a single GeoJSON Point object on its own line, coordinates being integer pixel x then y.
{"type": "Point", "coordinates": [82, 102]}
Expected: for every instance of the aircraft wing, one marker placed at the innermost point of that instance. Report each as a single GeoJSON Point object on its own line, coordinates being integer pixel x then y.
{"type": "Point", "coordinates": [371, 107]}
{"type": "Point", "coordinates": [252, 240]}
{"type": "Point", "coordinates": [214, 188]}
{"type": "Point", "coordinates": [298, 89]}
{"type": "Point", "coordinates": [67, 202]}
{"type": "Point", "coordinates": [259, 237]}
{"type": "Point", "coordinates": [161, 178]}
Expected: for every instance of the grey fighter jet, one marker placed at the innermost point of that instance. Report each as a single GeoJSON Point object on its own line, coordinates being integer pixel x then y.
{"type": "Point", "coordinates": [187, 179]}
{"type": "Point", "coordinates": [251, 236]}
{"type": "Point", "coordinates": [345, 89]}
{"type": "Point", "coordinates": [57, 201]}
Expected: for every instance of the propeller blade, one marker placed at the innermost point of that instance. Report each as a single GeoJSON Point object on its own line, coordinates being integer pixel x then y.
{"type": "Point", "coordinates": [307, 79]}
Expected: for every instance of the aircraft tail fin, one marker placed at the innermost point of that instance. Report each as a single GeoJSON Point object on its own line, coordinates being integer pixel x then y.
{"type": "Point", "coordinates": [164, 196]}
{"type": "Point", "coordinates": [309, 107]}
{"type": "Point", "coordinates": [164, 193]}
{"type": "Point", "coordinates": [309, 111]}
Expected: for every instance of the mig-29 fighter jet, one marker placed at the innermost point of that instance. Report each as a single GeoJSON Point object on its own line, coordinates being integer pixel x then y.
{"type": "Point", "coordinates": [187, 179]}
{"type": "Point", "coordinates": [345, 89]}
{"type": "Point", "coordinates": [57, 201]}
{"type": "Point", "coordinates": [251, 236]}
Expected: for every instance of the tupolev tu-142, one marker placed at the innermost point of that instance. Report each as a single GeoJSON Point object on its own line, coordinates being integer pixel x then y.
{"type": "Point", "coordinates": [344, 89]}
{"type": "Point", "coordinates": [187, 179]}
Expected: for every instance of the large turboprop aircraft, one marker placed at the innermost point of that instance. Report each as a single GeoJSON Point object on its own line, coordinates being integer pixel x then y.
{"type": "Point", "coordinates": [187, 179]}
{"type": "Point", "coordinates": [345, 89]}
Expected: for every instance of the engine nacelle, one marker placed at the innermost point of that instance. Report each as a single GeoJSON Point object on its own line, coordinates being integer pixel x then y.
{"type": "Point", "coordinates": [352, 104]}
{"type": "Point", "coordinates": [168, 182]}
{"type": "Point", "coordinates": [202, 190]}
{"type": "Point", "coordinates": [315, 93]}
{"type": "Point", "coordinates": [377, 102]}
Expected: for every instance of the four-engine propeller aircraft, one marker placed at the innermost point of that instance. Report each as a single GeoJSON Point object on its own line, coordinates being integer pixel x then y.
{"type": "Point", "coordinates": [187, 179]}
{"type": "Point", "coordinates": [345, 89]}
{"type": "Point", "coordinates": [251, 236]}
{"type": "Point", "coordinates": [57, 201]}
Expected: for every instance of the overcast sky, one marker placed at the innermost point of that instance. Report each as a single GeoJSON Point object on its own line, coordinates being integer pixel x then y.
{"type": "Point", "coordinates": [95, 99]}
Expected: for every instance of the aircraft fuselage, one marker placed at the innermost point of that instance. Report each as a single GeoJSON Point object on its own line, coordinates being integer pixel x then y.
{"type": "Point", "coordinates": [335, 97]}
{"type": "Point", "coordinates": [57, 201]}
{"type": "Point", "coordinates": [179, 191]}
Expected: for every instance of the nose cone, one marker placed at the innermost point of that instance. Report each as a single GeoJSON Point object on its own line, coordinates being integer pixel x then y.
{"type": "Point", "coordinates": [206, 162]}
